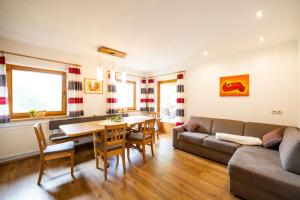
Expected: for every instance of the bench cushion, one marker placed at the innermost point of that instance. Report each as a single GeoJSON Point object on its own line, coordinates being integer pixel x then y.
{"type": "Point", "coordinates": [58, 148]}
{"type": "Point", "coordinates": [226, 147]}
{"type": "Point", "coordinates": [192, 137]}
{"type": "Point", "coordinates": [262, 168]}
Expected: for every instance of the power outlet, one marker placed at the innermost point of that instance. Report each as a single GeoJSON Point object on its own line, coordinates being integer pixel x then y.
{"type": "Point", "coordinates": [276, 112]}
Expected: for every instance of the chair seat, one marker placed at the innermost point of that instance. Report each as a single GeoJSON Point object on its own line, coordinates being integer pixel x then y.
{"type": "Point", "coordinates": [192, 137]}
{"type": "Point", "coordinates": [138, 136]}
{"type": "Point", "coordinates": [58, 137]}
{"type": "Point", "coordinates": [58, 148]}
{"type": "Point", "coordinates": [101, 147]}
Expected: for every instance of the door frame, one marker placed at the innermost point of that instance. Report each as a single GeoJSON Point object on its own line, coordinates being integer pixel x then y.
{"type": "Point", "coordinates": [159, 83]}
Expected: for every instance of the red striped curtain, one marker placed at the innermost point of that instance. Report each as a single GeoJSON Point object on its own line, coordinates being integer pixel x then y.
{"type": "Point", "coordinates": [75, 92]}
{"type": "Point", "coordinates": [111, 95]}
{"type": "Point", "coordinates": [180, 99]}
{"type": "Point", "coordinates": [143, 103]}
{"type": "Point", "coordinates": [151, 96]}
{"type": "Point", "coordinates": [4, 108]}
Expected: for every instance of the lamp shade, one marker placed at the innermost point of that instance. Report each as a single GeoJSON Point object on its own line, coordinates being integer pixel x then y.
{"type": "Point", "coordinates": [99, 73]}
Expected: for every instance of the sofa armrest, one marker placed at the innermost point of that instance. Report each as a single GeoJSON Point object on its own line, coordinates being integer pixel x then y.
{"type": "Point", "coordinates": [176, 130]}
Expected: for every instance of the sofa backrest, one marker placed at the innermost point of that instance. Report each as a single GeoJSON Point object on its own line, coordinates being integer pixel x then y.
{"type": "Point", "coordinates": [289, 150]}
{"type": "Point", "coordinates": [204, 122]}
{"type": "Point", "coordinates": [228, 126]}
{"type": "Point", "coordinates": [259, 129]}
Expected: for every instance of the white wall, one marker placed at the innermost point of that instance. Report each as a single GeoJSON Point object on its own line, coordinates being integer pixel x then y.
{"type": "Point", "coordinates": [273, 86]}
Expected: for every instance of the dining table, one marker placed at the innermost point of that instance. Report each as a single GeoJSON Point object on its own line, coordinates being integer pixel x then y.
{"type": "Point", "coordinates": [88, 128]}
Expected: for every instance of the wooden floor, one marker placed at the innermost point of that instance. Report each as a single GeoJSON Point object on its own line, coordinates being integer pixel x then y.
{"type": "Point", "coordinates": [172, 174]}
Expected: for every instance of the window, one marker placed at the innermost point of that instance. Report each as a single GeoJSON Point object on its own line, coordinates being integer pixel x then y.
{"type": "Point", "coordinates": [34, 88]}
{"type": "Point", "coordinates": [167, 100]}
{"type": "Point", "coordinates": [126, 94]}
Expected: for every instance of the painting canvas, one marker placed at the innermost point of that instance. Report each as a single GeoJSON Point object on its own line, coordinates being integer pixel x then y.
{"type": "Point", "coordinates": [93, 86]}
{"type": "Point", "coordinates": [234, 85]}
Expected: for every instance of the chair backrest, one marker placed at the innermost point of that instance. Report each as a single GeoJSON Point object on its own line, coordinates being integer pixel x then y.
{"type": "Point", "coordinates": [148, 128]}
{"type": "Point", "coordinates": [154, 114]}
{"type": "Point", "coordinates": [114, 134]}
{"type": "Point", "coordinates": [40, 137]}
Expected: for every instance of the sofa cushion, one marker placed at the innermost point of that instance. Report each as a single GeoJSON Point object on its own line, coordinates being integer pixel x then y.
{"type": "Point", "coordinates": [228, 126]}
{"type": "Point", "coordinates": [192, 137]}
{"type": "Point", "coordinates": [205, 124]}
{"type": "Point", "coordinates": [259, 129]}
{"type": "Point", "coordinates": [227, 147]}
{"type": "Point", "coordinates": [190, 126]}
{"type": "Point", "coordinates": [272, 139]}
{"type": "Point", "coordinates": [289, 150]}
{"type": "Point", "coordinates": [262, 168]}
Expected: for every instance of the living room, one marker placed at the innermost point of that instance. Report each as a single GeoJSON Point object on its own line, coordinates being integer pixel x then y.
{"type": "Point", "coordinates": [219, 80]}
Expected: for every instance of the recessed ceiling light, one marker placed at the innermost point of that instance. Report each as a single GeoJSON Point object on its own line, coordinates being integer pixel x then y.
{"type": "Point", "coordinates": [261, 39]}
{"type": "Point", "coordinates": [259, 14]}
{"type": "Point", "coordinates": [205, 53]}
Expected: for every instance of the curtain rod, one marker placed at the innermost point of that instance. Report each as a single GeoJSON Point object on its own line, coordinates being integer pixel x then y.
{"type": "Point", "coordinates": [38, 58]}
{"type": "Point", "coordinates": [182, 71]}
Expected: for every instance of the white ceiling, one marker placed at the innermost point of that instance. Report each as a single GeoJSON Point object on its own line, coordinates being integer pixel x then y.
{"type": "Point", "coordinates": [156, 34]}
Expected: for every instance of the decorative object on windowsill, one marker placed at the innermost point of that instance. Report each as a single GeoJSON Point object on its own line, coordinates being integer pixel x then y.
{"type": "Point", "coordinates": [41, 113]}
{"type": "Point", "coordinates": [234, 85]}
{"type": "Point", "coordinates": [32, 113]}
{"type": "Point", "coordinates": [116, 118]}
{"type": "Point", "coordinates": [123, 110]}
{"type": "Point", "coordinates": [93, 86]}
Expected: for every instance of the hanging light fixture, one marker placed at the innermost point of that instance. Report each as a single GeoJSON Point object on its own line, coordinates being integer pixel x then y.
{"type": "Point", "coordinates": [99, 70]}
{"type": "Point", "coordinates": [112, 71]}
{"type": "Point", "coordinates": [124, 75]}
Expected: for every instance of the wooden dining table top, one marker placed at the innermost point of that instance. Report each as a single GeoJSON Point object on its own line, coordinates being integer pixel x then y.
{"type": "Point", "coordinates": [86, 128]}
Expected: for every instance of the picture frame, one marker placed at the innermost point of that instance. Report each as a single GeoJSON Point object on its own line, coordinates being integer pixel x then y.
{"type": "Point", "coordinates": [237, 85]}
{"type": "Point", "coordinates": [93, 86]}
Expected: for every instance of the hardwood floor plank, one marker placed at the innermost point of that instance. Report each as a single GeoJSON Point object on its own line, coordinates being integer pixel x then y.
{"type": "Point", "coordinates": [172, 174]}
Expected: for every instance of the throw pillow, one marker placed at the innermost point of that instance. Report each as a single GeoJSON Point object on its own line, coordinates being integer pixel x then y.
{"type": "Point", "coordinates": [272, 139]}
{"type": "Point", "coordinates": [190, 126]}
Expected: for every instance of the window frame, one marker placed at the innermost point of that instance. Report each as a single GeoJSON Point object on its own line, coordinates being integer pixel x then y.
{"type": "Point", "coordinates": [159, 83]}
{"type": "Point", "coordinates": [134, 95]}
{"type": "Point", "coordinates": [10, 67]}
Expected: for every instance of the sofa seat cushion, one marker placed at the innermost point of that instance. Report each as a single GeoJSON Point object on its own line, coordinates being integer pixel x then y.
{"type": "Point", "coordinates": [226, 147]}
{"type": "Point", "coordinates": [59, 148]}
{"type": "Point", "coordinates": [192, 137]}
{"type": "Point", "coordinates": [261, 167]}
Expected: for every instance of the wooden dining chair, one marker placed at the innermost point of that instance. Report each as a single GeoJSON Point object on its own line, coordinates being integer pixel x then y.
{"type": "Point", "coordinates": [142, 138]}
{"type": "Point", "coordinates": [110, 142]}
{"type": "Point", "coordinates": [155, 115]}
{"type": "Point", "coordinates": [51, 152]}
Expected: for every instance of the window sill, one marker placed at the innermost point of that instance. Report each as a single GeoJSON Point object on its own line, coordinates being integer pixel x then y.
{"type": "Point", "coordinates": [38, 118]}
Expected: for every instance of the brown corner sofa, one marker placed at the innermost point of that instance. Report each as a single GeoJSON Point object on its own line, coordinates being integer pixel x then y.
{"type": "Point", "coordinates": [255, 172]}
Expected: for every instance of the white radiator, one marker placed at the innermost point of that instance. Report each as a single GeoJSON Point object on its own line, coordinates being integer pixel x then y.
{"type": "Point", "coordinates": [17, 140]}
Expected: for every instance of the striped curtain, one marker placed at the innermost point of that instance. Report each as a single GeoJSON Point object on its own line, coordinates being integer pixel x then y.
{"type": "Point", "coordinates": [150, 99]}
{"type": "Point", "coordinates": [143, 104]}
{"type": "Point", "coordinates": [111, 96]}
{"type": "Point", "coordinates": [75, 94]}
{"type": "Point", "coordinates": [180, 99]}
{"type": "Point", "coordinates": [4, 109]}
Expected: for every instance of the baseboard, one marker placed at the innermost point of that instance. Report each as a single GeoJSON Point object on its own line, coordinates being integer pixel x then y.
{"type": "Point", "coordinates": [19, 157]}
